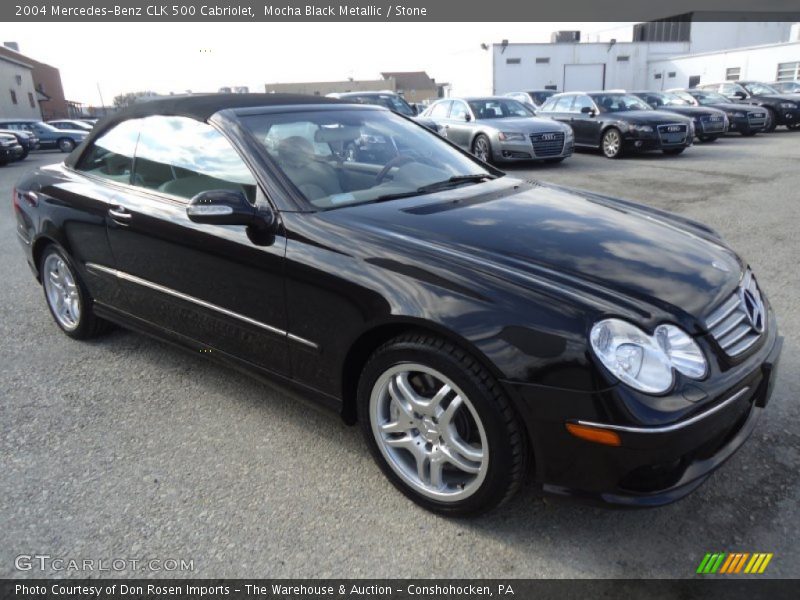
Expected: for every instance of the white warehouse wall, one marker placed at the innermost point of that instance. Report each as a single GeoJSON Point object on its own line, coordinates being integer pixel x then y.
{"type": "Point", "coordinates": [711, 36]}
{"type": "Point", "coordinates": [528, 74]}
{"type": "Point", "coordinates": [759, 63]}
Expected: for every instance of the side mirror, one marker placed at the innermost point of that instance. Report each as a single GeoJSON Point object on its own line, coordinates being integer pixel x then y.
{"type": "Point", "coordinates": [740, 94]}
{"type": "Point", "coordinates": [228, 207]}
{"type": "Point", "coordinates": [468, 117]}
{"type": "Point", "coordinates": [587, 110]}
{"type": "Point", "coordinates": [414, 108]}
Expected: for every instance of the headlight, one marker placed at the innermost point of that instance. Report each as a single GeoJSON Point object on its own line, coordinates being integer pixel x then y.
{"type": "Point", "coordinates": [511, 137]}
{"type": "Point", "coordinates": [568, 133]}
{"type": "Point", "coordinates": [641, 128]}
{"type": "Point", "coordinates": [646, 362]}
{"type": "Point", "coordinates": [788, 105]}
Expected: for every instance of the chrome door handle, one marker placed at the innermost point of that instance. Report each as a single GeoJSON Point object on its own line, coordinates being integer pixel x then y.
{"type": "Point", "coordinates": [119, 213]}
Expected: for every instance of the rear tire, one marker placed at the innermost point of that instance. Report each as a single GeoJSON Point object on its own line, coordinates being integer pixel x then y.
{"type": "Point", "coordinates": [66, 145]}
{"type": "Point", "coordinates": [611, 144]}
{"type": "Point", "coordinates": [427, 409]}
{"type": "Point", "coordinates": [67, 297]}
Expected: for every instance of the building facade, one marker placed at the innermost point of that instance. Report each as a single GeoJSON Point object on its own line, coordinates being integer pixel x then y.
{"type": "Point", "coordinates": [322, 88]}
{"type": "Point", "coordinates": [681, 52]}
{"type": "Point", "coordinates": [18, 97]}
{"type": "Point", "coordinates": [48, 92]}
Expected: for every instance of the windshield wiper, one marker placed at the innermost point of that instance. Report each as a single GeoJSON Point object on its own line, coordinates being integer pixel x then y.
{"type": "Point", "coordinates": [454, 181]}
{"type": "Point", "coordinates": [435, 187]}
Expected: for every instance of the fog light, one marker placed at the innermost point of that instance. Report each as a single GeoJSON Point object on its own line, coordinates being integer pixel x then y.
{"type": "Point", "coordinates": [594, 434]}
{"type": "Point", "coordinates": [638, 143]}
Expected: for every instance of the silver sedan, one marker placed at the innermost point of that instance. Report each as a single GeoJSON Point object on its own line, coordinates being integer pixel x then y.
{"type": "Point", "coordinates": [499, 129]}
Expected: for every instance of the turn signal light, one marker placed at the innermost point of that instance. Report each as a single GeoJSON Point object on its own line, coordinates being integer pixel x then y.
{"type": "Point", "coordinates": [594, 434]}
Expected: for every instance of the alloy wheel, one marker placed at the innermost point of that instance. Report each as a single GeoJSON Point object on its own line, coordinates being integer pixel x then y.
{"type": "Point", "coordinates": [611, 143]}
{"type": "Point", "coordinates": [66, 145]}
{"type": "Point", "coordinates": [481, 149]}
{"type": "Point", "coordinates": [62, 292]}
{"type": "Point", "coordinates": [429, 432]}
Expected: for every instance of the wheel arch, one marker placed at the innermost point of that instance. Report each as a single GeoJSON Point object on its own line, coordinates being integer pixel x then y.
{"type": "Point", "coordinates": [37, 249]}
{"type": "Point", "coordinates": [372, 338]}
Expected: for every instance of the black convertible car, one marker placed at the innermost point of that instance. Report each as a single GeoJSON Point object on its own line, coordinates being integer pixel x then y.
{"type": "Point", "coordinates": [618, 123]}
{"type": "Point", "coordinates": [473, 323]}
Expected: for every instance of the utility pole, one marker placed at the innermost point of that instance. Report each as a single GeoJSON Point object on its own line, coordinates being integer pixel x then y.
{"type": "Point", "coordinates": [102, 103]}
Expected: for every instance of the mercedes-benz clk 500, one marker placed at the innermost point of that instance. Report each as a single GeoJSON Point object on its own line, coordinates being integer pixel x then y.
{"type": "Point", "coordinates": [474, 324]}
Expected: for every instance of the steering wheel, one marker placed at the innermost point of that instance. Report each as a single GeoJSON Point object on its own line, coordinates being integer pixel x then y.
{"type": "Point", "coordinates": [397, 161]}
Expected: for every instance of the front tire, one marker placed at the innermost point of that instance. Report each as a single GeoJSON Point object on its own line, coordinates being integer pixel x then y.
{"type": "Point", "coordinates": [440, 427]}
{"type": "Point", "coordinates": [67, 297]}
{"type": "Point", "coordinates": [612, 143]}
{"type": "Point", "coordinates": [482, 148]}
{"type": "Point", "coordinates": [771, 121]}
{"type": "Point", "coordinates": [707, 139]}
{"type": "Point", "coordinates": [674, 151]}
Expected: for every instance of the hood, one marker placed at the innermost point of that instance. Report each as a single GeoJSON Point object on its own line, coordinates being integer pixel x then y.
{"type": "Point", "coordinates": [692, 111]}
{"type": "Point", "coordinates": [522, 125]}
{"type": "Point", "coordinates": [649, 117]}
{"type": "Point", "coordinates": [588, 247]}
{"type": "Point", "coordinates": [732, 107]}
{"type": "Point", "coordinates": [777, 97]}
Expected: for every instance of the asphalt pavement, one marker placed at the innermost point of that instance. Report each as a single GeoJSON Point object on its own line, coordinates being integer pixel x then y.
{"type": "Point", "coordinates": [127, 448]}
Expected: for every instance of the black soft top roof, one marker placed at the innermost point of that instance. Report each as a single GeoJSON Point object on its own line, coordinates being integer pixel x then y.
{"type": "Point", "coordinates": [196, 106]}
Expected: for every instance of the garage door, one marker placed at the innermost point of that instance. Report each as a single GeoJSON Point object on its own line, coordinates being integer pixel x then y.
{"type": "Point", "coordinates": [584, 78]}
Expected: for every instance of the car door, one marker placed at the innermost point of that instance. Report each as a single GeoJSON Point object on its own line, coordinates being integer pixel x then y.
{"type": "Point", "coordinates": [460, 124]}
{"type": "Point", "coordinates": [208, 283]}
{"type": "Point", "coordinates": [82, 201]}
{"type": "Point", "coordinates": [561, 111]}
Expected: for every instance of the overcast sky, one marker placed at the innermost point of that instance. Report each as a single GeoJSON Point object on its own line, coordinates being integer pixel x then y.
{"type": "Point", "coordinates": [168, 57]}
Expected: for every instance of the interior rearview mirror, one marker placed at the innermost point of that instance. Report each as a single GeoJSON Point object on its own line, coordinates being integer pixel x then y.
{"type": "Point", "coordinates": [228, 207]}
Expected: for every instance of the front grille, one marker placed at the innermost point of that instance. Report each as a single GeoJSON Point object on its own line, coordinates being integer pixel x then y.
{"type": "Point", "coordinates": [742, 318]}
{"type": "Point", "coordinates": [672, 133]}
{"type": "Point", "coordinates": [549, 143]}
{"type": "Point", "coordinates": [712, 123]}
{"type": "Point", "coordinates": [757, 119]}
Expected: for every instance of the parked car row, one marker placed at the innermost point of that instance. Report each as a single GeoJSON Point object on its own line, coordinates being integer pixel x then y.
{"type": "Point", "coordinates": [33, 134]}
{"type": "Point", "coordinates": [546, 125]}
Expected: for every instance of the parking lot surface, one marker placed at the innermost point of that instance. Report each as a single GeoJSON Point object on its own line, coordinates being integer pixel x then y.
{"type": "Point", "coordinates": [126, 447]}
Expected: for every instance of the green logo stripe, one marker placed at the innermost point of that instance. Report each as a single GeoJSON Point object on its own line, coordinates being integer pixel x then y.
{"type": "Point", "coordinates": [703, 563]}
{"type": "Point", "coordinates": [719, 562]}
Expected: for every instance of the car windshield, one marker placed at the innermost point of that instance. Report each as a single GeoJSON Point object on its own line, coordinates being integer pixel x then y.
{"type": "Point", "coordinates": [759, 89]}
{"type": "Point", "coordinates": [666, 99]}
{"type": "Point", "coordinates": [541, 96]}
{"type": "Point", "coordinates": [619, 102]}
{"type": "Point", "coordinates": [688, 99]}
{"type": "Point", "coordinates": [390, 101]}
{"type": "Point", "coordinates": [345, 157]}
{"type": "Point", "coordinates": [497, 108]}
{"type": "Point", "coordinates": [706, 98]}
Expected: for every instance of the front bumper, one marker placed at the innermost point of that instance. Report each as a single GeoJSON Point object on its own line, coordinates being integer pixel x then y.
{"type": "Point", "coordinates": [657, 462]}
{"type": "Point", "coordinates": [522, 150]}
{"type": "Point", "coordinates": [9, 153]}
{"type": "Point", "coordinates": [787, 116]}
{"type": "Point", "coordinates": [645, 141]}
